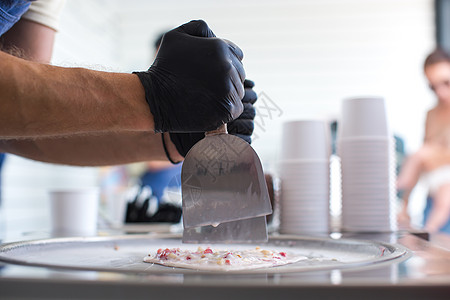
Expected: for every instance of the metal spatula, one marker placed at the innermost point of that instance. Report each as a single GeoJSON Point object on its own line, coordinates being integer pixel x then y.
{"type": "Point", "coordinates": [222, 181]}
{"type": "Point", "coordinates": [253, 230]}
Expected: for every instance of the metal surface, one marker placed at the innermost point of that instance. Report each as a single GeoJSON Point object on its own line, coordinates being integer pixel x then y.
{"type": "Point", "coordinates": [223, 181]}
{"type": "Point", "coordinates": [125, 253]}
{"type": "Point", "coordinates": [251, 230]}
{"type": "Point", "coordinates": [422, 273]}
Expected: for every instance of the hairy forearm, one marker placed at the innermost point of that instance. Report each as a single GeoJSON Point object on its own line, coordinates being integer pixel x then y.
{"type": "Point", "coordinates": [98, 149]}
{"type": "Point", "coordinates": [38, 100]}
{"type": "Point", "coordinates": [89, 150]}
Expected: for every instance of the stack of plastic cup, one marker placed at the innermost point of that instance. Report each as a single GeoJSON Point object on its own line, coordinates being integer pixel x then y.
{"type": "Point", "coordinates": [366, 148]}
{"type": "Point", "coordinates": [305, 177]}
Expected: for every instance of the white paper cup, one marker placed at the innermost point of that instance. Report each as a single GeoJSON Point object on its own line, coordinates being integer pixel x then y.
{"type": "Point", "coordinates": [306, 140]}
{"type": "Point", "coordinates": [364, 117]}
{"type": "Point", "coordinates": [74, 212]}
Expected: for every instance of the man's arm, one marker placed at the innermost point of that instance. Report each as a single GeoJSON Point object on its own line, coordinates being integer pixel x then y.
{"type": "Point", "coordinates": [34, 42]}
{"type": "Point", "coordinates": [38, 100]}
{"type": "Point", "coordinates": [95, 149]}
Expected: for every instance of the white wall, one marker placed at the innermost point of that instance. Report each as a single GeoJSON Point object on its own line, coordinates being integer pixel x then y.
{"type": "Point", "coordinates": [305, 55]}
{"type": "Point", "coordinates": [88, 35]}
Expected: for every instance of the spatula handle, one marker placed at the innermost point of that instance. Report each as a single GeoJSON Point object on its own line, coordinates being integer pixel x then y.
{"type": "Point", "coordinates": [221, 129]}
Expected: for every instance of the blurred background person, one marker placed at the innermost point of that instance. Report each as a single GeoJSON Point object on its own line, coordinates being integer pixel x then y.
{"type": "Point", "coordinates": [432, 161]}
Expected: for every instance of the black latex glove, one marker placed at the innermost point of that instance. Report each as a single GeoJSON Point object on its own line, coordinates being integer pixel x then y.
{"type": "Point", "coordinates": [242, 127]}
{"type": "Point", "coordinates": [196, 81]}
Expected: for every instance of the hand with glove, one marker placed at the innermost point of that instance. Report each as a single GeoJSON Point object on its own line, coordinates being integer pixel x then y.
{"type": "Point", "coordinates": [196, 81]}
{"type": "Point", "coordinates": [242, 126]}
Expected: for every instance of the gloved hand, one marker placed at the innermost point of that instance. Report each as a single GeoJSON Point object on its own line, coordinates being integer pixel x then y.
{"type": "Point", "coordinates": [242, 127]}
{"type": "Point", "coordinates": [196, 81]}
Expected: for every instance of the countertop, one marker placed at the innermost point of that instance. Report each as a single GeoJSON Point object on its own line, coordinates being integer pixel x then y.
{"type": "Point", "coordinates": [423, 274]}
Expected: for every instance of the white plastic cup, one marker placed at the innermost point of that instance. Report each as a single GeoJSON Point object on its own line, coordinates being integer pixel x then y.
{"type": "Point", "coordinates": [74, 212]}
{"type": "Point", "coordinates": [364, 117]}
{"type": "Point", "coordinates": [306, 140]}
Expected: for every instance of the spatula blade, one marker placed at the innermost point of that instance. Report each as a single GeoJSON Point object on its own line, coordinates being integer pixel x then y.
{"type": "Point", "coordinates": [222, 181]}
{"type": "Point", "coordinates": [253, 230]}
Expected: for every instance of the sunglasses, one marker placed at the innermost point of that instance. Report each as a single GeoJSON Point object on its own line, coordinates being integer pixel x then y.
{"type": "Point", "coordinates": [434, 87]}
